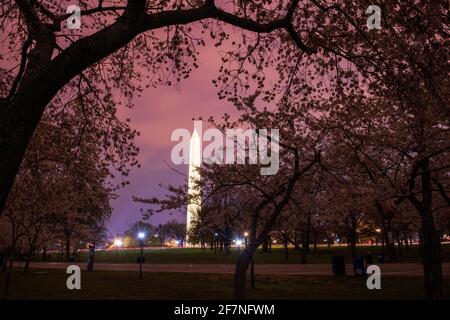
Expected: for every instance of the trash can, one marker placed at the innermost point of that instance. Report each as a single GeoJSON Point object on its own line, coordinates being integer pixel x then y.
{"type": "Point", "coordinates": [4, 263]}
{"type": "Point", "coordinates": [90, 264]}
{"type": "Point", "coordinates": [338, 264]}
{"type": "Point", "coordinates": [369, 257]}
{"type": "Point", "coordinates": [380, 257]}
{"type": "Point", "coordinates": [359, 267]}
{"type": "Point", "coordinates": [140, 260]}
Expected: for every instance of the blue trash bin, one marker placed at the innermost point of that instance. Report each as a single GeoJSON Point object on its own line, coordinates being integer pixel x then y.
{"type": "Point", "coordinates": [359, 267]}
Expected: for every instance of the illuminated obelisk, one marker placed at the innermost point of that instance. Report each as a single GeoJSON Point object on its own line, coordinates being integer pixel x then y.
{"type": "Point", "coordinates": [195, 159]}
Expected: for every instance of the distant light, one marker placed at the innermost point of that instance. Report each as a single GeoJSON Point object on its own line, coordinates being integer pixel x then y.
{"type": "Point", "coordinates": [141, 235]}
{"type": "Point", "coordinates": [378, 230]}
{"type": "Point", "coordinates": [177, 242]}
{"type": "Point", "coordinates": [216, 234]}
{"type": "Point", "coordinates": [118, 242]}
{"type": "Point", "coordinates": [246, 234]}
{"type": "Point", "coordinates": [274, 241]}
{"type": "Point", "coordinates": [238, 242]}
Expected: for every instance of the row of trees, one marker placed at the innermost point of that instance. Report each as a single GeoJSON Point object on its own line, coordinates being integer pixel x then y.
{"type": "Point", "coordinates": [61, 194]}
{"type": "Point", "coordinates": [60, 200]}
{"type": "Point", "coordinates": [363, 114]}
{"type": "Point", "coordinates": [156, 235]}
{"type": "Point", "coordinates": [337, 178]}
{"type": "Point", "coordinates": [364, 131]}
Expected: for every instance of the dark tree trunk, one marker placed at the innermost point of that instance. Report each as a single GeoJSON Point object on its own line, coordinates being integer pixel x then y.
{"type": "Point", "coordinates": [296, 245]}
{"type": "Point", "coordinates": [303, 255]}
{"type": "Point", "coordinates": [406, 242]}
{"type": "Point", "coordinates": [17, 125]}
{"type": "Point", "coordinates": [286, 253]}
{"type": "Point", "coordinates": [27, 263]}
{"type": "Point", "coordinates": [432, 263]}
{"type": "Point", "coordinates": [399, 245]}
{"type": "Point", "coordinates": [252, 274]}
{"type": "Point", "coordinates": [431, 246]}
{"type": "Point", "coordinates": [240, 273]}
{"type": "Point", "coordinates": [246, 257]}
{"type": "Point", "coordinates": [390, 245]}
{"type": "Point", "coordinates": [386, 217]}
{"type": "Point", "coordinates": [304, 251]}
{"type": "Point", "coordinates": [44, 253]}
{"type": "Point", "coordinates": [352, 244]}
{"type": "Point", "coordinates": [67, 249]}
{"type": "Point", "coordinates": [305, 242]}
{"type": "Point", "coordinates": [265, 245]}
{"type": "Point", "coordinates": [315, 242]}
{"type": "Point", "coordinates": [31, 252]}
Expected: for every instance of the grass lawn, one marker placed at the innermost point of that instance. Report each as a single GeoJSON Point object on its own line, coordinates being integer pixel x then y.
{"type": "Point", "coordinates": [51, 284]}
{"type": "Point", "coordinates": [197, 255]}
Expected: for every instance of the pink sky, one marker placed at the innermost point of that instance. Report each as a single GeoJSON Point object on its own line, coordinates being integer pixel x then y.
{"type": "Point", "coordinates": [156, 114]}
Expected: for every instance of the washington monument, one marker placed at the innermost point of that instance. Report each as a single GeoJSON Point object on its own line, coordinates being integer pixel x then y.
{"type": "Point", "coordinates": [195, 159]}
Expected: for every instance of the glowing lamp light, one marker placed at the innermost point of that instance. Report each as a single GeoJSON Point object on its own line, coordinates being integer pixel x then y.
{"type": "Point", "coordinates": [141, 235]}
{"type": "Point", "coordinates": [118, 242]}
{"type": "Point", "coordinates": [245, 234]}
{"type": "Point", "coordinates": [378, 230]}
{"type": "Point", "coordinates": [238, 242]}
{"type": "Point", "coordinates": [177, 242]}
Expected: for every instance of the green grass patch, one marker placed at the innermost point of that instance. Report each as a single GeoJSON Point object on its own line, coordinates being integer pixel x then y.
{"type": "Point", "coordinates": [323, 254]}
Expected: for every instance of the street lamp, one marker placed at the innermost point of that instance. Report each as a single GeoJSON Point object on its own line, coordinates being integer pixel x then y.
{"type": "Point", "coordinates": [215, 242]}
{"type": "Point", "coordinates": [141, 237]}
{"type": "Point", "coordinates": [238, 244]}
{"type": "Point", "coordinates": [118, 242]}
{"type": "Point", "coordinates": [252, 265]}
{"type": "Point", "coordinates": [246, 238]}
{"type": "Point", "coordinates": [90, 264]}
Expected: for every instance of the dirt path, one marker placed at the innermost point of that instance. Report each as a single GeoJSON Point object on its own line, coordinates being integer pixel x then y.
{"type": "Point", "coordinates": [405, 269]}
